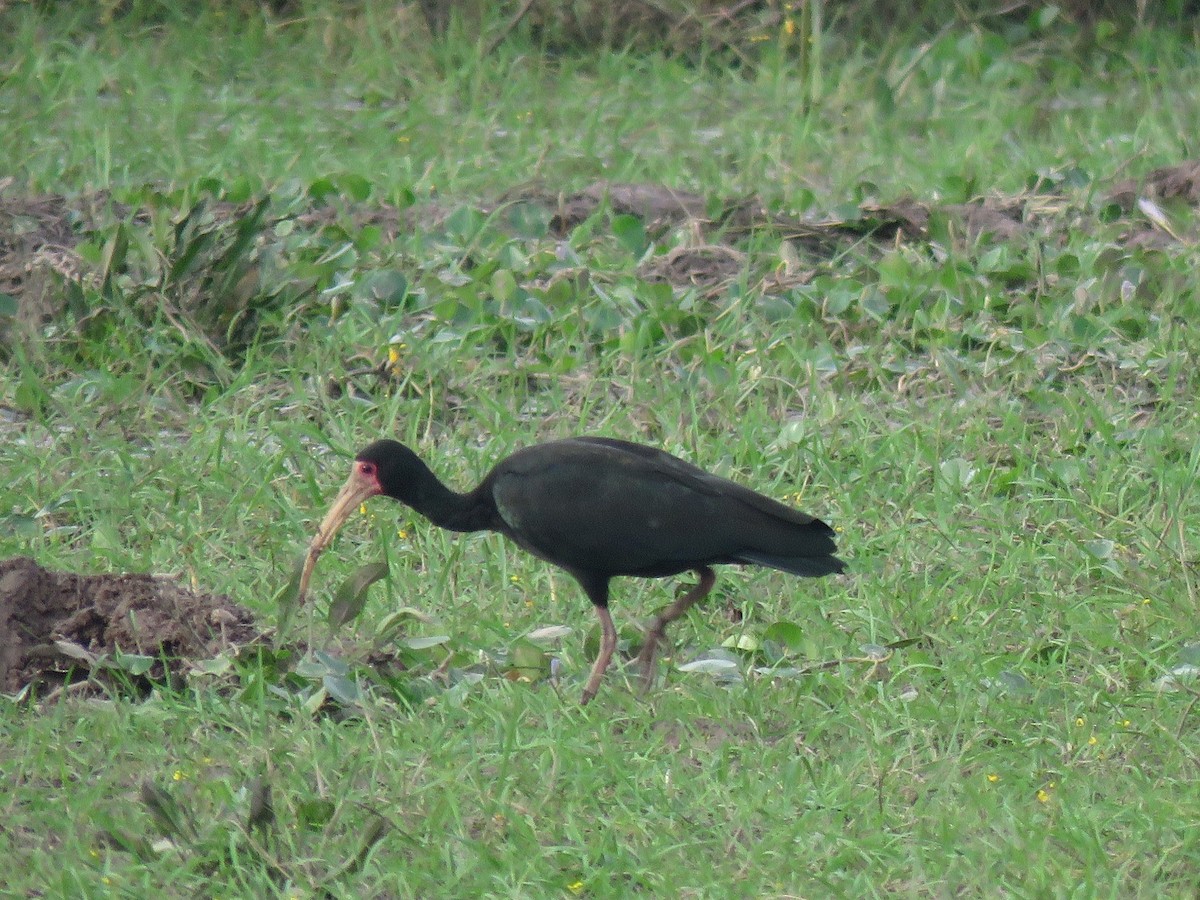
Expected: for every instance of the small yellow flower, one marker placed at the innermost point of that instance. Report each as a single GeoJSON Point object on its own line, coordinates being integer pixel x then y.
{"type": "Point", "coordinates": [528, 603]}
{"type": "Point", "coordinates": [1043, 795]}
{"type": "Point", "coordinates": [402, 534]}
{"type": "Point", "coordinates": [1079, 722]}
{"type": "Point", "coordinates": [515, 579]}
{"type": "Point", "coordinates": [789, 27]}
{"type": "Point", "coordinates": [993, 777]}
{"type": "Point", "coordinates": [93, 853]}
{"type": "Point", "coordinates": [362, 509]}
{"type": "Point", "coordinates": [1125, 723]}
{"type": "Point", "coordinates": [178, 775]}
{"type": "Point", "coordinates": [1145, 601]}
{"type": "Point", "coordinates": [1093, 741]}
{"type": "Point", "coordinates": [575, 887]}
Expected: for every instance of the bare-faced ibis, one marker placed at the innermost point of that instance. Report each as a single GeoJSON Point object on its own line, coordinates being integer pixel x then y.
{"type": "Point", "coordinates": [598, 507]}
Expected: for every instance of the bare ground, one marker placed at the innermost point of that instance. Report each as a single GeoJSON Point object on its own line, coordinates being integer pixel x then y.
{"type": "Point", "coordinates": [51, 623]}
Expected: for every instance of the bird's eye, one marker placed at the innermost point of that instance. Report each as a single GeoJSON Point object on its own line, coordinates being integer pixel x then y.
{"type": "Point", "coordinates": [367, 469]}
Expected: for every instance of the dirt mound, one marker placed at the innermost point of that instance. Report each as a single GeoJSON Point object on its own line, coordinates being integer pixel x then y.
{"type": "Point", "coordinates": [54, 623]}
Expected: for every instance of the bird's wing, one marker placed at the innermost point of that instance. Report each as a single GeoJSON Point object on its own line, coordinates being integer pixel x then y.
{"type": "Point", "coordinates": [699, 480]}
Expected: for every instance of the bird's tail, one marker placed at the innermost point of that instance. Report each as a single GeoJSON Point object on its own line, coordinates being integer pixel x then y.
{"type": "Point", "coordinates": [808, 566]}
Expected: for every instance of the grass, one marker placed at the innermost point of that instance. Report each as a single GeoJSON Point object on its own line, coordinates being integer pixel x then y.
{"type": "Point", "coordinates": [1005, 433]}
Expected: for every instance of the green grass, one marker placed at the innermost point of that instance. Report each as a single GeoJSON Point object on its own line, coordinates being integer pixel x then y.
{"type": "Point", "coordinates": [278, 104]}
{"type": "Point", "coordinates": [1006, 436]}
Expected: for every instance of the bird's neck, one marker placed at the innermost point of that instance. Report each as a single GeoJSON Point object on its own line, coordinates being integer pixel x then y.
{"type": "Point", "coordinates": [451, 510]}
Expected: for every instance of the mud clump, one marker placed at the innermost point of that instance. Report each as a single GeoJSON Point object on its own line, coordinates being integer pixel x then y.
{"type": "Point", "coordinates": [46, 618]}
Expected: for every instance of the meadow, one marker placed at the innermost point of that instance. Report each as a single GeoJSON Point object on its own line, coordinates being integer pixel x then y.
{"type": "Point", "coordinates": [234, 248]}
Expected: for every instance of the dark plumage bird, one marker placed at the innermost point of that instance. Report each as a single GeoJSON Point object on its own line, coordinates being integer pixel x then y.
{"type": "Point", "coordinates": [598, 507]}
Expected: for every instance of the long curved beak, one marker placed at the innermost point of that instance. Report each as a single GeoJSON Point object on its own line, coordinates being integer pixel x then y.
{"type": "Point", "coordinates": [356, 491]}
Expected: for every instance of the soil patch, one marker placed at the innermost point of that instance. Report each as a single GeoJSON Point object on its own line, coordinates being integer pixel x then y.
{"type": "Point", "coordinates": [51, 623]}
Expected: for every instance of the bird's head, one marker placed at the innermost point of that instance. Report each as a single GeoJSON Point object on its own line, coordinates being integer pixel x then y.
{"type": "Point", "coordinates": [384, 467]}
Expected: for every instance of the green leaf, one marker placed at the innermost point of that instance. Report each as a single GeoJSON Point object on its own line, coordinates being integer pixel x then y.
{"type": "Point", "coordinates": [74, 651]}
{"type": "Point", "coordinates": [319, 663]}
{"type": "Point", "coordinates": [315, 813]}
{"type": "Point", "coordinates": [335, 665]}
{"type": "Point", "coordinates": [529, 661]}
{"type": "Point", "coordinates": [1044, 16]}
{"type": "Point", "coordinates": [209, 185]}
{"type": "Point", "coordinates": [311, 667]}
{"type": "Point", "coordinates": [286, 599]}
{"type": "Point", "coordinates": [528, 220]}
{"type": "Point", "coordinates": [20, 525]}
{"type": "Point", "coordinates": [710, 666]}
{"type": "Point", "coordinates": [133, 663]}
{"type": "Point", "coordinates": [464, 223]}
{"type": "Point", "coordinates": [631, 233]}
{"type": "Point", "coordinates": [312, 705]}
{"type": "Point", "coordinates": [551, 634]}
{"type": "Point", "coordinates": [393, 622]}
{"type": "Point", "coordinates": [344, 690]}
{"type": "Point", "coordinates": [874, 652]}
{"type": "Point", "coordinates": [504, 285]}
{"type": "Point", "coordinates": [321, 188]}
{"type": "Point", "coordinates": [218, 665]}
{"type": "Point", "coordinates": [351, 597]}
{"type": "Point", "coordinates": [957, 472]}
{"type": "Point", "coordinates": [424, 643]}
{"type": "Point", "coordinates": [186, 258]}
{"type": "Point", "coordinates": [746, 643]}
{"type": "Point", "coordinates": [114, 255]}
{"type": "Point", "coordinates": [357, 187]}
{"type": "Point", "coordinates": [1190, 654]}
{"type": "Point", "coordinates": [1014, 683]}
{"type": "Point", "coordinates": [789, 635]}
{"type": "Point", "coordinates": [239, 190]}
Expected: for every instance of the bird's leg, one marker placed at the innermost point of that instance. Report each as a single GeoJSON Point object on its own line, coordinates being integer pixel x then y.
{"type": "Point", "coordinates": [658, 629]}
{"type": "Point", "coordinates": [608, 646]}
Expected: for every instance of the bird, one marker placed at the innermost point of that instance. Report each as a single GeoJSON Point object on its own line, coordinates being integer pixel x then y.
{"type": "Point", "coordinates": [599, 508]}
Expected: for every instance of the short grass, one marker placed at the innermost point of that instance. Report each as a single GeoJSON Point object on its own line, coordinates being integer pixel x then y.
{"type": "Point", "coordinates": [1005, 435]}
